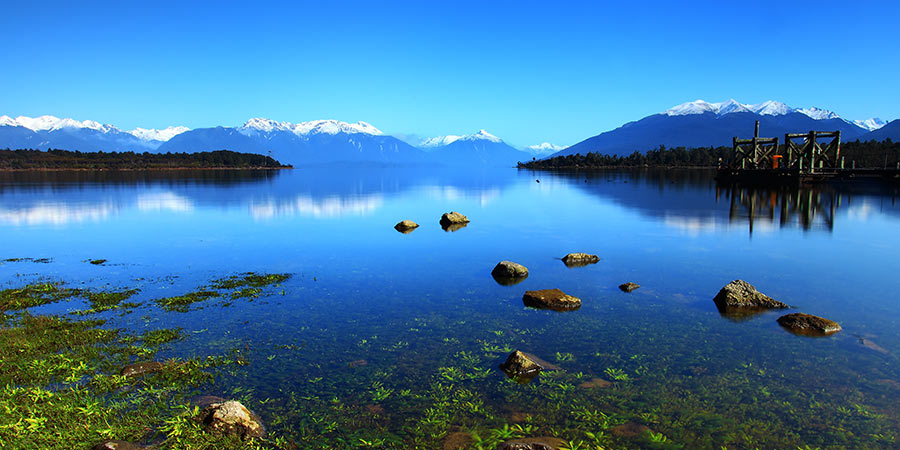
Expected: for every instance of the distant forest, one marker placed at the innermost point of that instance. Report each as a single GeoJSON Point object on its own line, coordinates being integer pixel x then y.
{"type": "Point", "coordinates": [865, 154]}
{"type": "Point", "coordinates": [64, 159]}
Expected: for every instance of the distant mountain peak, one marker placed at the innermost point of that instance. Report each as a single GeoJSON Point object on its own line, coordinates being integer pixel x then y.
{"type": "Point", "coordinates": [50, 123]}
{"type": "Point", "coordinates": [439, 141]}
{"type": "Point", "coordinates": [544, 146]}
{"type": "Point", "coordinates": [870, 124]}
{"type": "Point", "coordinates": [767, 108]}
{"type": "Point", "coordinates": [152, 134]}
{"type": "Point", "coordinates": [328, 126]}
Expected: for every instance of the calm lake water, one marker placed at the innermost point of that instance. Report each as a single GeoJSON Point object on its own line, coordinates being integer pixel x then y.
{"type": "Point", "coordinates": [397, 337]}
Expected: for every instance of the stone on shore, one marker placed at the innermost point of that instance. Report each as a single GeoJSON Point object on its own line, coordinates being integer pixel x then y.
{"type": "Point", "coordinates": [406, 226]}
{"type": "Point", "coordinates": [741, 294]}
{"type": "Point", "coordinates": [233, 418]}
{"type": "Point", "coordinates": [579, 259]}
{"type": "Point", "coordinates": [809, 324]}
{"type": "Point", "coordinates": [453, 217]}
{"type": "Point", "coordinates": [535, 443]}
{"type": "Point", "coordinates": [141, 368]}
{"type": "Point", "coordinates": [554, 299]}
{"type": "Point", "coordinates": [629, 286]}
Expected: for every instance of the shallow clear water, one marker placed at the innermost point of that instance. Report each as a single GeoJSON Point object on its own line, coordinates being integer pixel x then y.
{"type": "Point", "coordinates": [422, 308]}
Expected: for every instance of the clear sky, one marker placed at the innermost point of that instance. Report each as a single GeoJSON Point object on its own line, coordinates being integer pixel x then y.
{"type": "Point", "coordinates": [527, 72]}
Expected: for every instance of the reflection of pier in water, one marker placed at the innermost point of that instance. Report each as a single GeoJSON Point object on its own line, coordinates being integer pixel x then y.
{"type": "Point", "coordinates": [807, 207]}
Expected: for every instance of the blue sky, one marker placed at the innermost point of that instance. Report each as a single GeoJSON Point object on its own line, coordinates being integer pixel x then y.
{"type": "Point", "coordinates": [527, 72]}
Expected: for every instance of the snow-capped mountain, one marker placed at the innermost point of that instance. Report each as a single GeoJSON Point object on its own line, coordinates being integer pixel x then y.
{"type": "Point", "coordinates": [151, 134]}
{"type": "Point", "coordinates": [542, 149]}
{"type": "Point", "coordinates": [703, 124]}
{"type": "Point", "coordinates": [84, 135]}
{"type": "Point", "coordinates": [767, 108]}
{"type": "Point", "coordinates": [481, 148]}
{"type": "Point", "coordinates": [440, 141]}
{"type": "Point", "coordinates": [306, 128]}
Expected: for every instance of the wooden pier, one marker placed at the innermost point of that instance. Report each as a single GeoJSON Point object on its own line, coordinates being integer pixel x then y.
{"type": "Point", "coordinates": [803, 158]}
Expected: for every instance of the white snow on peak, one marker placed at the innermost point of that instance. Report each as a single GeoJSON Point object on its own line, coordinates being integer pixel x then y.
{"type": "Point", "coordinates": [440, 141]}
{"type": "Point", "coordinates": [152, 134]}
{"type": "Point", "coordinates": [312, 127]}
{"type": "Point", "coordinates": [770, 107]}
{"type": "Point", "coordinates": [544, 147]}
{"type": "Point", "coordinates": [818, 114]}
{"type": "Point", "coordinates": [50, 123]}
{"type": "Point", "coordinates": [869, 124]}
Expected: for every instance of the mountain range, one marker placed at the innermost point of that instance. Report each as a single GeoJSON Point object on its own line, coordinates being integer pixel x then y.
{"type": "Point", "coordinates": [331, 142]}
{"type": "Point", "coordinates": [703, 124]}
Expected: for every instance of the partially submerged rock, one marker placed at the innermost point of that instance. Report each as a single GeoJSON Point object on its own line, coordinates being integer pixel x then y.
{"type": "Point", "coordinates": [231, 417]}
{"type": "Point", "coordinates": [453, 217]}
{"type": "Point", "coordinates": [629, 286]}
{"type": "Point", "coordinates": [521, 367]}
{"type": "Point", "coordinates": [809, 324]}
{"type": "Point", "coordinates": [454, 226]}
{"type": "Point", "coordinates": [141, 368]}
{"type": "Point", "coordinates": [508, 273]}
{"type": "Point", "coordinates": [554, 299]}
{"type": "Point", "coordinates": [535, 443]}
{"type": "Point", "coordinates": [741, 298]}
{"type": "Point", "coordinates": [406, 226]}
{"type": "Point", "coordinates": [579, 259]}
{"type": "Point", "coordinates": [595, 383]}
{"type": "Point", "coordinates": [97, 262]}
{"type": "Point", "coordinates": [117, 445]}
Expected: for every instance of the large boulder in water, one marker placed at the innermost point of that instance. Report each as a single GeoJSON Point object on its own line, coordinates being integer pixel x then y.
{"type": "Point", "coordinates": [520, 366]}
{"type": "Point", "coordinates": [453, 217]}
{"type": "Point", "coordinates": [509, 273]}
{"type": "Point", "coordinates": [809, 324]}
{"type": "Point", "coordinates": [741, 294]}
{"type": "Point", "coordinates": [579, 259]}
{"type": "Point", "coordinates": [231, 417]}
{"type": "Point", "coordinates": [629, 286]}
{"type": "Point", "coordinates": [554, 299]}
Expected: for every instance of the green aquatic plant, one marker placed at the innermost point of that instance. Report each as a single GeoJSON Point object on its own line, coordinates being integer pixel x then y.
{"type": "Point", "coordinates": [35, 295]}
{"type": "Point", "coordinates": [617, 374]}
{"type": "Point", "coordinates": [564, 357]}
{"type": "Point", "coordinates": [182, 303]}
{"type": "Point", "coordinates": [249, 279]}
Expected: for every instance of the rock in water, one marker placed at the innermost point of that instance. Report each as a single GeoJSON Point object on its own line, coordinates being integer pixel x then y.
{"type": "Point", "coordinates": [453, 217]}
{"type": "Point", "coordinates": [141, 368]}
{"type": "Point", "coordinates": [406, 226]}
{"type": "Point", "coordinates": [520, 367]}
{"type": "Point", "coordinates": [231, 417]}
{"type": "Point", "coordinates": [508, 270]}
{"type": "Point", "coordinates": [629, 286]}
{"type": "Point", "coordinates": [554, 299]}
{"type": "Point", "coordinates": [809, 324]}
{"type": "Point", "coordinates": [535, 443]}
{"type": "Point", "coordinates": [741, 294]}
{"type": "Point", "coordinates": [117, 445]}
{"type": "Point", "coordinates": [579, 259]}
{"type": "Point", "coordinates": [454, 226]}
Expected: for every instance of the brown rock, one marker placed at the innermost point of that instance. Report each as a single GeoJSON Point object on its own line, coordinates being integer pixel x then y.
{"type": "Point", "coordinates": [509, 269]}
{"type": "Point", "coordinates": [141, 368]}
{"type": "Point", "coordinates": [117, 445]}
{"type": "Point", "coordinates": [202, 401]}
{"type": "Point", "coordinates": [554, 299]}
{"type": "Point", "coordinates": [629, 286]}
{"type": "Point", "coordinates": [520, 367]}
{"type": "Point", "coordinates": [535, 443]}
{"type": "Point", "coordinates": [358, 363]}
{"type": "Point", "coordinates": [453, 218]}
{"type": "Point", "coordinates": [375, 409]}
{"type": "Point", "coordinates": [406, 226]}
{"type": "Point", "coordinates": [451, 227]}
{"type": "Point", "coordinates": [741, 294]}
{"type": "Point", "coordinates": [579, 259]}
{"type": "Point", "coordinates": [629, 429]}
{"type": "Point", "coordinates": [457, 440]}
{"type": "Point", "coordinates": [231, 417]}
{"type": "Point", "coordinates": [595, 383]}
{"type": "Point", "coordinates": [809, 324]}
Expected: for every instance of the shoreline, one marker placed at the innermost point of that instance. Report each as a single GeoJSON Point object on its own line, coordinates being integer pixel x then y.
{"type": "Point", "coordinates": [135, 169]}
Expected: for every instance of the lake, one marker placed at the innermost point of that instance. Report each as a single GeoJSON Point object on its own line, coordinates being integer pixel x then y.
{"type": "Point", "coordinates": [382, 338]}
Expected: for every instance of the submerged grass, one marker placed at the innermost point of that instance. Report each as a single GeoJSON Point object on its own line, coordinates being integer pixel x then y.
{"type": "Point", "coordinates": [249, 285]}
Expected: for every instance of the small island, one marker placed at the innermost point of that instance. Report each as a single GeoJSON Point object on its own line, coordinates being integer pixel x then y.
{"type": "Point", "coordinates": [37, 160]}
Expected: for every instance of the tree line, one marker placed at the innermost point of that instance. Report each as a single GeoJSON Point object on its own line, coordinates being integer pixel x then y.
{"type": "Point", "coordinates": [24, 159]}
{"type": "Point", "coordinates": [864, 153]}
